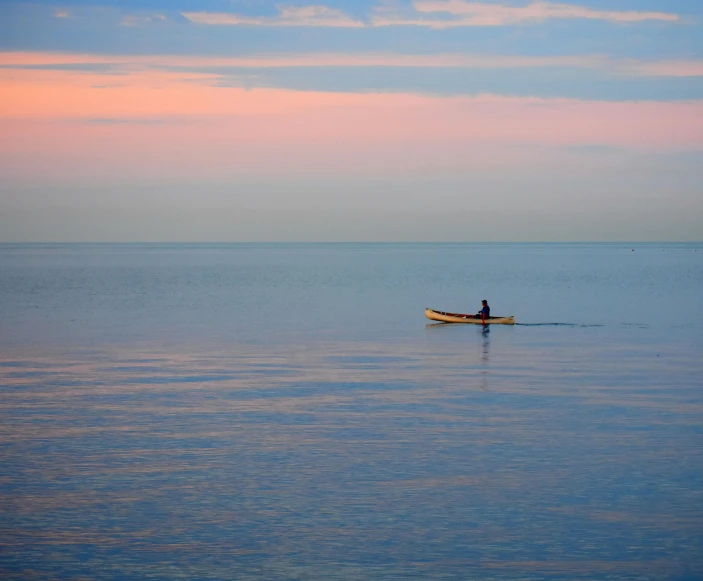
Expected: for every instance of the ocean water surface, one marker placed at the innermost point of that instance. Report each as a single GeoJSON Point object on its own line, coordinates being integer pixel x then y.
{"type": "Point", "coordinates": [285, 411]}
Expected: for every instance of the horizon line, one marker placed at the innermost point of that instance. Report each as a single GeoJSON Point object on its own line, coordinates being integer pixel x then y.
{"type": "Point", "coordinates": [232, 242]}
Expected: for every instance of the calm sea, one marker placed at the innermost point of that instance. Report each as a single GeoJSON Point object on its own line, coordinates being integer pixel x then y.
{"type": "Point", "coordinates": [286, 412]}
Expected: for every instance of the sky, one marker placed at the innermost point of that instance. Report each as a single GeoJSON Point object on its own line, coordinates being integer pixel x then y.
{"type": "Point", "coordinates": [351, 120]}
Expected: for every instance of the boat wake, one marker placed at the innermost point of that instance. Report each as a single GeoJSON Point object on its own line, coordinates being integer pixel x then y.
{"type": "Point", "coordinates": [556, 325]}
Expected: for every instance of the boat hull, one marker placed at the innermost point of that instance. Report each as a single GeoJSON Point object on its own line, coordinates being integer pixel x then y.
{"type": "Point", "coordinates": [472, 319]}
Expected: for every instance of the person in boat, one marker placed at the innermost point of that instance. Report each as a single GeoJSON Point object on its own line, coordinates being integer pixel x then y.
{"type": "Point", "coordinates": [485, 311]}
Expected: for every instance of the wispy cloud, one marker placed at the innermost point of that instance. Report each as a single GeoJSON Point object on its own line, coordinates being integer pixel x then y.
{"type": "Point", "coordinates": [465, 13]}
{"type": "Point", "coordinates": [61, 14]}
{"type": "Point", "coordinates": [287, 16]}
{"type": "Point", "coordinates": [132, 20]}
{"type": "Point", "coordinates": [664, 68]}
{"type": "Point", "coordinates": [135, 64]}
{"type": "Point", "coordinates": [437, 14]}
{"type": "Point", "coordinates": [441, 14]}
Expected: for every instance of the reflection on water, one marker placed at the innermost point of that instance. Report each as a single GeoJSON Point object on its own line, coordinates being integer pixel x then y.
{"type": "Point", "coordinates": [466, 456]}
{"type": "Point", "coordinates": [486, 334]}
{"type": "Point", "coordinates": [485, 355]}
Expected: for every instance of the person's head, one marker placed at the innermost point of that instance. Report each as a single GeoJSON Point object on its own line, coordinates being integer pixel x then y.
{"type": "Point", "coordinates": [484, 302]}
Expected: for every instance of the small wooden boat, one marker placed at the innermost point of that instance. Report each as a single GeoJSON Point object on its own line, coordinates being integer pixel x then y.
{"type": "Point", "coordinates": [459, 318]}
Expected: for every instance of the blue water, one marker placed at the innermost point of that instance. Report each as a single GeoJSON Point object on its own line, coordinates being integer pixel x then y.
{"type": "Point", "coordinates": [282, 411]}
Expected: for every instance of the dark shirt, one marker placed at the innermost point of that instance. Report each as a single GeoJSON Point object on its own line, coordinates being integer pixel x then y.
{"type": "Point", "coordinates": [485, 311]}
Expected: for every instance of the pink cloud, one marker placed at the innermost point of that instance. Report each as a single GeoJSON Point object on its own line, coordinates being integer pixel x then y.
{"type": "Point", "coordinates": [308, 60]}
{"type": "Point", "coordinates": [668, 68]}
{"type": "Point", "coordinates": [463, 13]}
{"type": "Point", "coordinates": [135, 64]}
{"type": "Point", "coordinates": [287, 16]}
{"type": "Point", "coordinates": [291, 115]}
{"type": "Point", "coordinates": [155, 123]}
